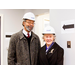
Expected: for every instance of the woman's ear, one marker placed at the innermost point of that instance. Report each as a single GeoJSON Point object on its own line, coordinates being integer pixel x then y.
{"type": "Point", "coordinates": [54, 38]}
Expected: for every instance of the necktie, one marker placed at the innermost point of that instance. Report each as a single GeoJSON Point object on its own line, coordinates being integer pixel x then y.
{"type": "Point", "coordinates": [28, 35]}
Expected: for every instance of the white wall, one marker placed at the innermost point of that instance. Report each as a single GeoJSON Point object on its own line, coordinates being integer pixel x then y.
{"type": "Point", "coordinates": [37, 11]}
{"type": "Point", "coordinates": [12, 22]}
{"type": "Point", "coordinates": [56, 17]}
{"type": "Point", "coordinates": [12, 18]}
{"type": "Point", "coordinates": [27, 10]}
{"type": "Point", "coordinates": [40, 11]}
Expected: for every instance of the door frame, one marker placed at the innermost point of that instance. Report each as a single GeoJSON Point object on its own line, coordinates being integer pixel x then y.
{"type": "Point", "coordinates": [1, 15]}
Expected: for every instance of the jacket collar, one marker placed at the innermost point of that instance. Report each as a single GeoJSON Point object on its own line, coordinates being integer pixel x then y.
{"type": "Point", "coordinates": [25, 33]}
{"type": "Point", "coordinates": [22, 36]}
{"type": "Point", "coordinates": [53, 49]}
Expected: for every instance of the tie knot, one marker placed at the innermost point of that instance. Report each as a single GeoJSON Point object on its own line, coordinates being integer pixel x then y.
{"type": "Point", "coordinates": [28, 35]}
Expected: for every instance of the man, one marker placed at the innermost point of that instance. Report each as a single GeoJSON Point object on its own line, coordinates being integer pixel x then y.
{"type": "Point", "coordinates": [24, 45]}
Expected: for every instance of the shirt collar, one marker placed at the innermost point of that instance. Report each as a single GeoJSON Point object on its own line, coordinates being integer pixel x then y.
{"type": "Point", "coordinates": [25, 33]}
{"type": "Point", "coordinates": [50, 46]}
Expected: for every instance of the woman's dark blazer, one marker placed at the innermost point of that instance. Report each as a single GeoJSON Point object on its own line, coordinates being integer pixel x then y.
{"type": "Point", "coordinates": [53, 57]}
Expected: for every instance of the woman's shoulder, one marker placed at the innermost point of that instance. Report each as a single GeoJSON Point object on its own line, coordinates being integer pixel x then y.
{"type": "Point", "coordinates": [43, 47]}
{"type": "Point", "coordinates": [58, 46]}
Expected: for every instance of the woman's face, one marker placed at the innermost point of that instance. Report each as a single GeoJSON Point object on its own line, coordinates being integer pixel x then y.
{"type": "Point", "coordinates": [48, 38]}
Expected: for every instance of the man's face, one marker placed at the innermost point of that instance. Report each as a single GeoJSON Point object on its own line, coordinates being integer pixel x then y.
{"type": "Point", "coordinates": [28, 25]}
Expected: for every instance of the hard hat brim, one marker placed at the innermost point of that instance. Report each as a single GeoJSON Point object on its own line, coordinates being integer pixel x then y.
{"type": "Point", "coordinates": [29, 19]}
{"type": "Point", "coordinates": [48, 33]}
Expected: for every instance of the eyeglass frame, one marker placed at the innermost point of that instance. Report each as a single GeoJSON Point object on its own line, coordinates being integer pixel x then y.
{"type": "Point", "coordinates": [29, 22]}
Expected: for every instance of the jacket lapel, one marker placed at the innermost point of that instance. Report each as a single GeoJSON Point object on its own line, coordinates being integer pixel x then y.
{"type": "Point", "coordinates": [52, 50]}
{"type": "Point", "coordinates": [44, 55]}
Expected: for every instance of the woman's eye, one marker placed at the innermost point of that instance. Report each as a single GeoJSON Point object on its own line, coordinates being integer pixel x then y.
{"type": "Point", "coordinates": [46, 36]}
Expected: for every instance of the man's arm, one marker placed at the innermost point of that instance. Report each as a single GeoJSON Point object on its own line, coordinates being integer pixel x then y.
{"type": "Point", "coordinates": [12, 52]}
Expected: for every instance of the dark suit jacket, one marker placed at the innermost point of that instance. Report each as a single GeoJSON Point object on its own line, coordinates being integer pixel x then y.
{"type": "Point", "coordinates": [53, 57]}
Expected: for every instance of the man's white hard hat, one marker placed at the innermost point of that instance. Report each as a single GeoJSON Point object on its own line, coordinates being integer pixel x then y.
{"type": "Point", "coordinates": [48, 30]}
{"type": "Point", "coordinates": [29, 16]}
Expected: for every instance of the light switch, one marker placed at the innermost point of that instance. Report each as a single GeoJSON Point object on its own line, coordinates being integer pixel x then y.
{"type": "Point", "coordinates": [68, 44]}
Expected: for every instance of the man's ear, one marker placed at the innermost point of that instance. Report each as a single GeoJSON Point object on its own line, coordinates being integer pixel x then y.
{"type": "Point", "coordinates": [23, 23]}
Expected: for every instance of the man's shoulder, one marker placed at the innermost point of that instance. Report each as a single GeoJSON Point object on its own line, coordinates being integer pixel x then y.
{"type": "Point", "coordinates": [35, 35]}
{"type": "Point", "coordinates": [17, 34]}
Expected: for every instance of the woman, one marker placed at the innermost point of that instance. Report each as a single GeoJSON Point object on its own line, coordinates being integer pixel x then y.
{"type": "Point", "coordinates": [51, 53]}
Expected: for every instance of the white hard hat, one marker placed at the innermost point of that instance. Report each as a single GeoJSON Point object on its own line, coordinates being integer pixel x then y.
{"type": "Point", "coordinates": [49, 30]}
{"type": "Point", "coordinates": [29, 16]}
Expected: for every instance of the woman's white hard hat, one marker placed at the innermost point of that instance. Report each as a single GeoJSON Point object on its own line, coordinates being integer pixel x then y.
{"type": "Point", "coordinates": [48, 30]}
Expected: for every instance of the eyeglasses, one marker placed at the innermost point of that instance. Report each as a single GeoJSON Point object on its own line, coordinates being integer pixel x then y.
{"type": "Point", "coordinates": [30, 22]}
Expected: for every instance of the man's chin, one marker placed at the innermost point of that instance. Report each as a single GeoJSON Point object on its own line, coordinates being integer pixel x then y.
{"type": "Point", "coordinates": [30, 29]}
